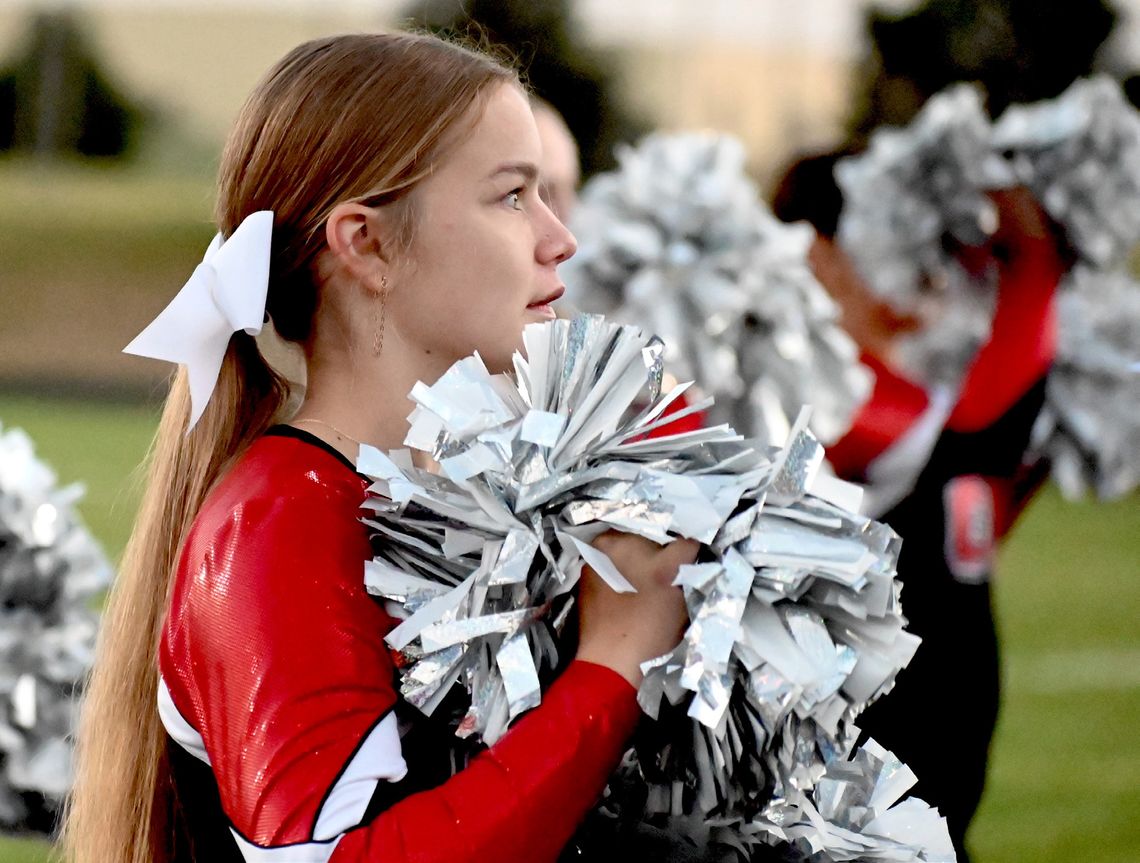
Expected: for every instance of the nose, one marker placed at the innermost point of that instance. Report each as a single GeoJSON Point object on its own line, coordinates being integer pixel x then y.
{"type": "Point", "coordinates": [556, 243]}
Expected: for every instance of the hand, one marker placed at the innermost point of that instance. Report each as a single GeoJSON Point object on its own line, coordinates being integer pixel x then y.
{"type": "Point", "coordinates": [1024, 231]}
{"type": "Point", "coordinates": [623, 630]}
{"type": "Point", "coordinates": [873, 324]}
{"type": "Point", "coordinates": [1020, 217]}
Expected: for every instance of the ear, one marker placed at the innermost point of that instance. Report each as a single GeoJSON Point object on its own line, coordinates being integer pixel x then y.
{"type": "Point", "coordinates": [355, 239]}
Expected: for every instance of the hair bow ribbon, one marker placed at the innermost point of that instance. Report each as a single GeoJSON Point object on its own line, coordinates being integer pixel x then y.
{"type": "Point", "coordinates": [226, 293]}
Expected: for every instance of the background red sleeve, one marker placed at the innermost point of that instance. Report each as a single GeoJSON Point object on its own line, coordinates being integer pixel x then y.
{"type": "Point", "coordinates": [894, 406]}
{"type": "Point", "coordinates": [1022, 342]}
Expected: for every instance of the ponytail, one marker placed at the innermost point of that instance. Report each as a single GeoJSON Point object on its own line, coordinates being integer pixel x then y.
{"type": "Point", "coordinates": [121, 800]}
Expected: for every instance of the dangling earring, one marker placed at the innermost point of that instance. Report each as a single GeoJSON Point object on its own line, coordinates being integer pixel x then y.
{"type": "Point", "coordinates": [378, 326]}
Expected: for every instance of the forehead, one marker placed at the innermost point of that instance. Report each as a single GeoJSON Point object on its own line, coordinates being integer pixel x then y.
{"type": "Point", "coordinates": [505, 132]}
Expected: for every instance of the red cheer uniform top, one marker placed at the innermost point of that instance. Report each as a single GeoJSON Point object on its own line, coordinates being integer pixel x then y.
{"type": "Point", "coordinates": [288, 740]}
{"type": "Point", "coordinates": [894, 435]}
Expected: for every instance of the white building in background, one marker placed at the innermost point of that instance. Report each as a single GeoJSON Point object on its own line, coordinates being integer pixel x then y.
{"type": "Point", "coordinates": [775, 72]}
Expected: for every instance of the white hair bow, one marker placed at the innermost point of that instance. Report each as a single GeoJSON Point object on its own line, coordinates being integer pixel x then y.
{"type": "Point", "coordinates": [226, 293]}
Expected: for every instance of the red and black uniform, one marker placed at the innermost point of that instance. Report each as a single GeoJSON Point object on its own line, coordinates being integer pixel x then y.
{"type": "Point", "coordinates": [288, 741]}
{"type": "Point", "coordinates": [956, 481]}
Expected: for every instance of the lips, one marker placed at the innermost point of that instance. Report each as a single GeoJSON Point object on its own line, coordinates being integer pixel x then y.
{"type": "Point", "coordinates": [549, 298]}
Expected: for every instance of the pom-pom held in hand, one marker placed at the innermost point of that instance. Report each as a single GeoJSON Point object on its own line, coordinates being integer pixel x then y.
{"type": "Point", "coordinates": [677, 240]}
{"type": "Point", "coordinates": [1080, 156]}
{"type": "Point", "coordinates": [50, 569]}
{"type": "Point", "coordinates": [795, 622]}
{"type": "Point", "coordinates": [910, 190]}
{"type": "Point", "coordinates": [913, 187]}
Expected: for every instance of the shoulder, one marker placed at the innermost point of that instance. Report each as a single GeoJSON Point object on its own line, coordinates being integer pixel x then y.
{"type": "Point", "coordinates": [278, 469]}
{"type": "Point", "coordinates": [279, 535]}
{"type": "Point", "coordinates": [281, 489]}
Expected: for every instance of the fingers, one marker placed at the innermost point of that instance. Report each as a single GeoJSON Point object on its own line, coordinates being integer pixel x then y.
{"type": "Point", "coordinates": [635, 555]}
{"type": "Point", "coordinates": [678, 553]}
{"type": "Point", "coordinates": [623, 630]}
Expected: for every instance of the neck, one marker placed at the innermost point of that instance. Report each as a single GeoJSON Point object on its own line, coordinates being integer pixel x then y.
{"type": "Point", "coordinates": [364, 396]}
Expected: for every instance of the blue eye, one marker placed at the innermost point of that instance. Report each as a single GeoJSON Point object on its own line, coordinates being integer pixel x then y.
{"type": "Point", "coordinates": [514, 199]}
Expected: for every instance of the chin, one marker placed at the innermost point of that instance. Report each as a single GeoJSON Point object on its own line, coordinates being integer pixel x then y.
{"type": "Point", "coordinates": [498, 349]}
{"type": "Point", "coordinates": [499, 359]}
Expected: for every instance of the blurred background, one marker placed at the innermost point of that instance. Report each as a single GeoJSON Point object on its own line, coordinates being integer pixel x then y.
{"type": "Point", "coordinates": [112, 114]}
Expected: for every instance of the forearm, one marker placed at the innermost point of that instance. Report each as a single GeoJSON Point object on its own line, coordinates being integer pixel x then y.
{"type": "Point", "coordinates": [523, 798]}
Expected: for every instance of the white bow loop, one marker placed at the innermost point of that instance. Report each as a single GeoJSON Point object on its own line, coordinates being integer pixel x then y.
{"type": "Point", "coordinates": [225, 293]}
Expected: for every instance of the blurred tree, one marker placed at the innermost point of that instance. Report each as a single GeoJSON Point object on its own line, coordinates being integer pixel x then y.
{"type": "Point", "coordinates": [55, 99]}
{"type": "Point", "coordinates": [1017, 50]}
{"type": "Point", "coordinates": [545, 43]}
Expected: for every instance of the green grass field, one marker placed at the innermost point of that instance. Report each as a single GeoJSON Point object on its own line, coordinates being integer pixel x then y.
{"type": "Point", "coordinates": [1065, 779]}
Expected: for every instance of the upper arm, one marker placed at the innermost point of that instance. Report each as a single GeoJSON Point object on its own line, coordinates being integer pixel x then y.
{"type": "Point", "coordinates": [277, 654]}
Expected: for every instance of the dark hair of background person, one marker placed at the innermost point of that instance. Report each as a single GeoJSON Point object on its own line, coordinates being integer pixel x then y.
{"type": "Point", "coordinates": [807, 192]}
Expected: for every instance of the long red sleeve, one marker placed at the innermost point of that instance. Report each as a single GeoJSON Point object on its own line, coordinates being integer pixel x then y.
{"type": "Point", "coordinates": [276, 676]}
{"type": "Point", "coordinates": [1022, 342]}
{"type": "Point", "coordinates": [522, 799]}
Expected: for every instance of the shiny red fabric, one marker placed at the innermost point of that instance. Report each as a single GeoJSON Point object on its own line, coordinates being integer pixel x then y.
{"type": "Point", "coordinates": [894, 406]}
{"type": "Point", "coordinates": [274, 653]}
{"type": "Point", "coordinates": [522, 799]}
{"type": "Point", "coordinates": [1022, 342]}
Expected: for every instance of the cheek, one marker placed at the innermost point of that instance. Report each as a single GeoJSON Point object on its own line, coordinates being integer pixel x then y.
{"type": "Point", "coordinates": [467, 287]}
{"type": "Point", "coordinates": [453, 307]}
{"type": "Point", "coordinates": [488, 261]}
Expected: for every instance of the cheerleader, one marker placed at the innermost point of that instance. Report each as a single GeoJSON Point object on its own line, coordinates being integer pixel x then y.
{"type": "Point", "coordinates": [378, 203]}
{"type": "Point", "coordinates": [946, 469]}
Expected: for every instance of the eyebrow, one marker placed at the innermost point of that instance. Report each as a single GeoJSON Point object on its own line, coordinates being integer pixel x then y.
{"type": "Point", "coordinates": [528, 170]}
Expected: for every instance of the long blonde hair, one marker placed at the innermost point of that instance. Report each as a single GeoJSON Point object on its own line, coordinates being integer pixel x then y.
{"type": "Point", "coordinates": [345, 118]}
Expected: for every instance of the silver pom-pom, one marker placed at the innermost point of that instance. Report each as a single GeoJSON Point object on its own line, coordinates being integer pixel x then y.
{"type": "Point", "coordinates": [856, 813]}
{"type": "Point", "coordinates": [50, 571]}
{"type": "Point", "coordinates": [913, 187]}
{"type": "Point", "coordinates": [1090, 427]}
{"type": "Point", "coordinates": [678, 241]}
{"type": "Point", "coordinates": [795, 621]}
{"type": "Point", "coordinates": [1080, 155]}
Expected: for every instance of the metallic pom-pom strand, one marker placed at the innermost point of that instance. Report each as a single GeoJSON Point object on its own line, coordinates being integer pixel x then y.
{"type": "Point", "coordinates": [795, 620]}
{"type": "Point", "coordinates": [677, 240]}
